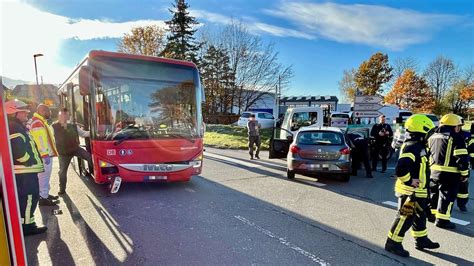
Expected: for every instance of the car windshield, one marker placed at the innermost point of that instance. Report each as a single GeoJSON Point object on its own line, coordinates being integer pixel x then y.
{"type": "Point", "coordinates": [245, 115]}
{"type": "Point", "coordinates": [320, 138]}
{"type": "Point", "coordinates": [340, 116]}
{"type": "Point", "coordinates": [433, 118]}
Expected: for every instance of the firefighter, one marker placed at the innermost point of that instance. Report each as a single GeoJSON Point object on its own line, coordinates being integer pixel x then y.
{"type": "Point", "coordinates": [449, 167]}
{"type": "Point", "coordinates": [463, 192]}
{"type": "Point", "coordinates": [44, 139]}
{"type": "Point", "coordinates": [27, 164]}
{"type": "Point", "coordinates": [411, 188]}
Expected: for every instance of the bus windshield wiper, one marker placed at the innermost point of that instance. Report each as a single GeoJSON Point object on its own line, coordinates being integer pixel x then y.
{"type": "Point", "coordinates": [130, 136]}
{"type": "Point", "coordinates": [181, 136]}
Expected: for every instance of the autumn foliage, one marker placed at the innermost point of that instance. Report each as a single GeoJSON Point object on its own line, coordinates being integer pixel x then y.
{"type": "Point", "coordinates": [411, 92]}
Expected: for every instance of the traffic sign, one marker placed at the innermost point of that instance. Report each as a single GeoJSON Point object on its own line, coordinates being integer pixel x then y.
{"type": "Point", "coordinates": [367, 113]}
{"type": "Point", "coordinates": [367, 106]}
{"type": "Point", "coordinates": [368, 99]}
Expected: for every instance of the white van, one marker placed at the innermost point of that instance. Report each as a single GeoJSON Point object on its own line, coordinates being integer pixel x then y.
{"type": "Point", "coordinates": [339, 120]}
{"type": "Point", "coordinates": [299, 117]}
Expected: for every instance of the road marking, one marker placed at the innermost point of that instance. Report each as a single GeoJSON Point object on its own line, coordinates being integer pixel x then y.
{"type": "Point", "coordinates": [283, 241]}
{"type": "Point", "coordinates": [454, 220]}
{"type": "Point", "coordinates": [190, 190]}
{"type": "Point", "coordinates": [252, 165]}
{"type": "Point", "coordinates": [240, 160]}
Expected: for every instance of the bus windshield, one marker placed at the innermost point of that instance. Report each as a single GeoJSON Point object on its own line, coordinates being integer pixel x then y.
{"type": "Point", "coordinates": [145, 100]}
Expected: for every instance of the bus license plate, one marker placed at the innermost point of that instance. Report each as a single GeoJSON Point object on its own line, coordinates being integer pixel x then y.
{"type": "Point", "coordinates": [156, 177]}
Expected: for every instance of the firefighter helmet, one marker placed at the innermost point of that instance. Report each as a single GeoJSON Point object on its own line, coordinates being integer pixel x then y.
{"type": "Point", "coordinates": [16, 106]}
{"type": "Point", "coordinates": [419, 123]}
{"type": "Point", "coordinates": [450, 120]}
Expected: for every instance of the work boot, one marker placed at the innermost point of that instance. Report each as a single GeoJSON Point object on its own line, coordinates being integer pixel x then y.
{"type": "Point", "coordinates": [46, 202]}
{"type": "Point", "coordinates": [51, 197]}
{"type": "Point", "coordinates": [61, 193]}
{"type": "Point", "coordinates": [256, 156]}
{"type": "Point", "coordinates": [430, 217]}
{"type": "Point", "coordinates": [462, 208]}
{"type": "Point", "coordinates": [424, 242]}
{"type": "Point", "coordinates": [369, 175]}
{"type": "Point", "coordinates": [33, 229]}
{"type": "Point", "coordinates": [445, 224]}
{"type": "Point", "coordinates": [396, 248]}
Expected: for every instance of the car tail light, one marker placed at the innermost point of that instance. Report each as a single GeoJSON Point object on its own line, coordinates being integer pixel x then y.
{"type": "Point", "coordinates": [345, 151]}
{"type": "Point", "coordinates": [294, 149]}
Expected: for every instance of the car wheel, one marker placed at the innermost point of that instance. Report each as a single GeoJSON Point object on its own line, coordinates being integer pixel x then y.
{"type": "Point", "coordinates": [290, 174]}
{"type": "Point", "coordinates": [345, 177]}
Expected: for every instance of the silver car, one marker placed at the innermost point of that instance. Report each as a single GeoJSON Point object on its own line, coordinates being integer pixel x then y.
{"type": "Point", "coordinates": [319, 151]}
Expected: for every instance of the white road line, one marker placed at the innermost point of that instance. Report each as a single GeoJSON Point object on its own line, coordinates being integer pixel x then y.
{"type": "Point", "coordinates": [283, 241]}
{"type": "Point", "coordinates": [454, 220]}
{"type": "Point", "coordinates": [241, 162]}
{"type": "Point", "coordinates": [260, 161]}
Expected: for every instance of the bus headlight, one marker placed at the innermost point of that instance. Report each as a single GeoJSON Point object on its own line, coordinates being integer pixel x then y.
{"type": "Point", "coordinates": [197, 162]}
{"type": "Point", "coordinates": [107, 168]}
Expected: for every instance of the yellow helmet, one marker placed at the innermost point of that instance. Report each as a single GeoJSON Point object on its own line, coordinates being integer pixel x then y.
{"type": "Point", "coordinates": [419, 123]}
{"type": "Point", "coordinates": [450, 120]}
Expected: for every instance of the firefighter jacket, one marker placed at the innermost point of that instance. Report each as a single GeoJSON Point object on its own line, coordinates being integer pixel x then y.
{"type": "Point", "coordinates": [26, 158]}
{"type": "Point", "coordinates": [412, 164]}
{"type": "Point", "coordinates": [448, 153]}
{"type": "Point", "coordinates": [43, 136]}
{"type": "Point", "coordinates": [470, 145]}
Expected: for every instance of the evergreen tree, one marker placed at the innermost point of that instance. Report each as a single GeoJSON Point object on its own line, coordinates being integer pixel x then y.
{"type": "Point", "coordinates": [181, 43]}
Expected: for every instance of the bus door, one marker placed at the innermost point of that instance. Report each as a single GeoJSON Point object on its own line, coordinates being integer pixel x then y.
{"type": "Point", "coordinates": [12, 248]}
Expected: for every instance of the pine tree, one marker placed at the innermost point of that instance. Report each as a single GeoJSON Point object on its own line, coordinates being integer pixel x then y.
{"type": "Point", "coordinates": [181, 41]}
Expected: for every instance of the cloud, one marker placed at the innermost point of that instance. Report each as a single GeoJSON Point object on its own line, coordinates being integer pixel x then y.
{"type": "Point", "coordinates": [26, 30]}
{"type": "Point", "coordinates": [372, 25]}
{"type": "Point", "coordinates": [253, 25]}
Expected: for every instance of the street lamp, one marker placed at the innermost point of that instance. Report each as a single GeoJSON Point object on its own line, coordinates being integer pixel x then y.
{"type": "Point", "coordinates": [36, 69]}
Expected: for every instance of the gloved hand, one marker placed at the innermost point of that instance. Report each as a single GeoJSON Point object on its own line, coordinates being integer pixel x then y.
{"type": "Point", "coordinates": [47, 160]}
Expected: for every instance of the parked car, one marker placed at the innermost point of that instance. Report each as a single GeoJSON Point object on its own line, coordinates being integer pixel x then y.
{"type": "Point", "coordinates": [322, 150]}
{"type": "Point", "coordinates": [265, 119]}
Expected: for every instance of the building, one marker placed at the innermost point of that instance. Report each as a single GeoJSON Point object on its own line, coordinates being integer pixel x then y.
{"type": "Point", "coordinates": [44, 93]}
{"type": "Point", "coordinates": [327, 101]}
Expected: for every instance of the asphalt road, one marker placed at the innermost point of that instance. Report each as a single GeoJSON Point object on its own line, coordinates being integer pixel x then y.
{"type": "Point", "coordinates": [237, 212]}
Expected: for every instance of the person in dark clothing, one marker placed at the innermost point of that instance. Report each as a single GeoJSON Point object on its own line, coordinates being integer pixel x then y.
{"type": "Point", "coordinates": [360, 153]}
{"type": "Point", "coordinates": [411, 188]}
{"type": "Point", "coordinates": [463, 193]}
{"type": "Point", "coordinates": [382, 133]}
{"type": "Point", "coordinates": [253, 128]}
{"type": "Point", "coordinates": [67, 144]}
{"type": "Point", "coordinates": [27, 164]}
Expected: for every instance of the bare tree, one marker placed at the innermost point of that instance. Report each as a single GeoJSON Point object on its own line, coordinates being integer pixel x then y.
{"type": "Point", "coordinates": [146, 40]}
{"type": "Point", "coordinates": [254, 64]}
{"type": "Point", "coordinates": [440, 75]}
{"type": "Point", "coordinates": [347, 85]}
{"type": "Point", "coordinates": [400, 65]}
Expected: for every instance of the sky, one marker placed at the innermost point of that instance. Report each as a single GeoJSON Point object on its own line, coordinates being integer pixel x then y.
{"type": "Point", "coordinates": [319, 39]}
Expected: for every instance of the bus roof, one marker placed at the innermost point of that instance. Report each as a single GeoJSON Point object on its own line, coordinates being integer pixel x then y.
{"type": "Point", "coordinates": [100, 53]}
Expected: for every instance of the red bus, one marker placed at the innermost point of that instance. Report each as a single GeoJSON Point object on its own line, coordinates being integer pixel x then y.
{"type": "Point", "coordinates": [144, 116]}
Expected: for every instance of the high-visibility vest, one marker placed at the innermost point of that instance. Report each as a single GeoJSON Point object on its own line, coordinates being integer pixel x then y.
{"type": "Point", "coordinates": [42, 135]}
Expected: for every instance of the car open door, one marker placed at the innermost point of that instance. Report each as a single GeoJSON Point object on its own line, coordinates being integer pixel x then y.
{"type": "Point", "coordinates": [279, 146]}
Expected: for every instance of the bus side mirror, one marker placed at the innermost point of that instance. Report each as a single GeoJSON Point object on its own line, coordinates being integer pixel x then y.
{"type": "Point", "coordinates": [85, 74]}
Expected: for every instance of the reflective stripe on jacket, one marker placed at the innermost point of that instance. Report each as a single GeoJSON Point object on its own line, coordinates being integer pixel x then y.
{"type": "Point", "coordinates": [448, 154]}
{"type": "Point", "coordinates": [412, 164]}
{"type": "Point", "coordinates": [26, 158]}
{"type": "Point", "coordinates": [43, 136]}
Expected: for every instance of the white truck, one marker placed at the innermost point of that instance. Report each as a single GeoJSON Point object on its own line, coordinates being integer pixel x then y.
{"type": "Point", "coordinates": [298, 117]}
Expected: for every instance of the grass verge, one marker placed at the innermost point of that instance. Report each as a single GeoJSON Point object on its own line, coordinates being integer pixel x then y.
{"type": "Point", "coordinates": [232, 137]}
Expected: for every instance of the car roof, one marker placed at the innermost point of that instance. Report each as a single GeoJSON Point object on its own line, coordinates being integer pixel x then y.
{"type": "Point", "coordinates": [333, 129]}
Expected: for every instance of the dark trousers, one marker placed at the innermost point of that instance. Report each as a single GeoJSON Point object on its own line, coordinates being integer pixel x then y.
{"type": "Point", "coordinates": [463, 194]}
{"type": "Point", "coordinates": [254, 140]}
{"type": "Point", "coordinates": [417, 221]}
{"type": "Point", "coordinates": [380, 149]}
{"type": "Point", "coordinates": [28, 194]}
{"type": "Point", "coordinates": [443, 193]}
{"type": "Point", "coordinates": [64, 161]}
{"type": "Point", "coordinates": [359, 156]}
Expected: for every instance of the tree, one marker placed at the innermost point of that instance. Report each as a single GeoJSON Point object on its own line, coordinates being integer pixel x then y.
{"type": "Point", "coordinates": [347, 85]}
{"type": "Point", "coordinates": [461, 95]}
{"type": "Point", "coordinates": [440, 75]}
{"type": "Point", "coordinates": [373, 73]}
{"type": "Point", "coordinates": [400, 65]}
{"type": "Point", "coordinates": [411, 92]}
{"type": "Point", "coordinates": [146, 40]}
{"type": "Point", "coordinates": [218, 80]}
{"type": "Point", "coordinates": [181, 44]}
{"type": "Point", "coordinates": [254, 65]}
